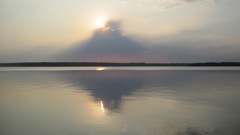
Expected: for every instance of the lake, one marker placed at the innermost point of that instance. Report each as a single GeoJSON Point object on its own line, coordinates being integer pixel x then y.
{"type": "Point", "coordinates": [120, 101]}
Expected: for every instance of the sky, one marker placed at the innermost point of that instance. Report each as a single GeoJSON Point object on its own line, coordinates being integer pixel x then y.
{"type": "Point", "coordinates": [164, 31]}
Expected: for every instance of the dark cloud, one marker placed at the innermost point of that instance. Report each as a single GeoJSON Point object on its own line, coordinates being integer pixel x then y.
{"type": "Point", "coordinates": [106, 44]}
{"type": "Point", "coordinates": [110, 40]}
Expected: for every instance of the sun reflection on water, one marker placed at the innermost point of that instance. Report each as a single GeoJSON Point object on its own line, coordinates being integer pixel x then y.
{"type": "Point", "coordinates": [102, 107]}
{"type": "Point", "coordinates": [100, 68]}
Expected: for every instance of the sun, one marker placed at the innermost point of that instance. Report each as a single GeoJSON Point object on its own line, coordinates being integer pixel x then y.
{"type": "Point", "coordinates": [100, 23]}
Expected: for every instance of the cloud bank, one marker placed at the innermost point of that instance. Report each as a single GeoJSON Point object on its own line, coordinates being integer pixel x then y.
{"type": "Point", "coordinates": [109, 44]}
{"type": "Point", "coordinates": [106, 44]}
{"type": "Point", "coordinates": [167, 4]}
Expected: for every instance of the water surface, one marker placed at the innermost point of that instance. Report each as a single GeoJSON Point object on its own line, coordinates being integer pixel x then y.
{"type": "Point", "coordinates": [120, 101]}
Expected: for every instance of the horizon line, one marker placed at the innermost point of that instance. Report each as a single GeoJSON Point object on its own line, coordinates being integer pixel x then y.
{"type": "Point", "coordinates": [68, 64]}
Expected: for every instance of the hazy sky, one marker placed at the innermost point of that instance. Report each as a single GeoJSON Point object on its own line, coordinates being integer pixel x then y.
{"type": "Point", "coordinates": [151, 30]}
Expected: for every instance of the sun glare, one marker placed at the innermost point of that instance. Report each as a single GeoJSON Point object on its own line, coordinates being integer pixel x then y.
{"type": "Point", "coordinates": [102, 107]}
{"type": "Point", "coordinates": [100, 23]}
{"type": "Point", "coordinates": [100, 68]}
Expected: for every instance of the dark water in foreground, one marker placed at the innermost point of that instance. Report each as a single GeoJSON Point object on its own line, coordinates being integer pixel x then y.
{"type": "Point", "coordinates": [120, 101]}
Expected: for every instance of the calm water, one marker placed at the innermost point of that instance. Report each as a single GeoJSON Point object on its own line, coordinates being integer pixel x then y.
{"type": "Point", "coordinates": [120, 101]}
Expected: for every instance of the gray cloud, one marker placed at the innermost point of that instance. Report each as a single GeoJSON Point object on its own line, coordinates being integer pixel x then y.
{"type": "Point", "coordinates": [110, 45]}
{"type": "Point", "coordinates": [195, 51]}
{"type": "Point", "coordinates": [107, 43]}
{"type": "Point", "coordinates": [189, 0]}
{"type": "Point", "coordinates": [177, 3]}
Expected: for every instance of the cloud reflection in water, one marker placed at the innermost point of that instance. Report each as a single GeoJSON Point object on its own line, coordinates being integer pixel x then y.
{"type": "Point", "coordinates": [106, 86]}
{"type": "Point", "coordinates": [187, 96]}
{"type": "Point", "coordinates": [134, 102]}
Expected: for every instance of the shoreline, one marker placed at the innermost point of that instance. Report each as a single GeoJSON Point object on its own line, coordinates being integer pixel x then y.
{"type": "Point", "coordinates": [108, 64]}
